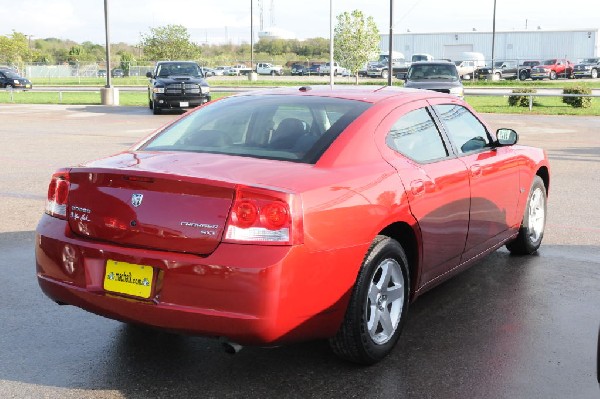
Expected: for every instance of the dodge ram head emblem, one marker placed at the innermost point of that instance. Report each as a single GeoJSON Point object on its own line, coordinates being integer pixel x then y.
{"type": "Point", "coordinates": [136, 199]}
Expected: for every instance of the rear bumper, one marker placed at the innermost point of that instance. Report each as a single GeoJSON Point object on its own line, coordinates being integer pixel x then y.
{"type": "Point", "coordinates": [246, 293]}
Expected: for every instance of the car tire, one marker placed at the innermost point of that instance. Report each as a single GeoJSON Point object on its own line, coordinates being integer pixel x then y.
{"type": "Point", "coordinates": [532, 227]}
{"type": "Point", "coordinates": [272, 73]}
{"type": "Point", "coordinates": [384, 74]}
{"type": "Point", "coordinates": [552, 75]}
{"type": "Point", "coordinates": [594, 73]}
{"type": "Point", "coordinates": [523, 75]}
{"type": "Point", "coordinates": [155, 109]}
{"type": "Point", "coordinates": [150, 104]}
{"type": "Point", "coordinates": [362, 337]}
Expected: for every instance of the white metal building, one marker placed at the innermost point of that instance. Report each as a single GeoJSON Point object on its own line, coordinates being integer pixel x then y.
{"type": "Point", "coordinates": [509, 45]}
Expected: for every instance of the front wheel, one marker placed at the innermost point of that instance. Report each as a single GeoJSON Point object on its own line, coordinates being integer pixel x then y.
{"type": "Point", "coordinates": [385, 74]}
{"type": "Point", "coordinates": [594, 73]}
{"type": "Point", "coordinates": [552, 75]}
{"type": "Point", "coordinates": [532, 227]}
{"type": "Point", "coordinates": [377, 307]}
{"type": "Point", "coordinates": [155, 109]}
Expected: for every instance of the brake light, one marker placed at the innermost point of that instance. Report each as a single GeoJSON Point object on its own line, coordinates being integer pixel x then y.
{"type": "Point", "coordinates": [264, 217]}
{"type": "Point", "coordinates": [58, 195]}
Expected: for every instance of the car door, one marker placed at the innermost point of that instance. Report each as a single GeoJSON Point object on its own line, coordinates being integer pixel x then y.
{"type": "Point", "coordinates": [492, 174]}
{"type": "Point", "coordinates": [436, 184]}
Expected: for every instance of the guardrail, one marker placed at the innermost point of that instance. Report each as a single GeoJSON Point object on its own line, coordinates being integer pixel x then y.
{"type": "Point", "coordinates": [468, 91]}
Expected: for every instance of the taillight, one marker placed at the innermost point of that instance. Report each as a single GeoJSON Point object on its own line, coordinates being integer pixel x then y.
{"type": "Point", "coordinates": [58, 194]}
{"type": "Point", "coordinates": [264, 217]}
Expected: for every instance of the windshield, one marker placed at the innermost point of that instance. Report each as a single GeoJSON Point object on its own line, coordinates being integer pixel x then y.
{"type": "Point", "coordinates": [549, 62]}
{"type": "Point", "coordinates": [291, 128]}
{"type": "Point", "coordinates": [436, 71]}
{"type": "Point", "coordinates": [178, 68]}
{"type": "Point", "coordinates": [591, 60]}
{"type": "Point", "coordinates": [11, 74]}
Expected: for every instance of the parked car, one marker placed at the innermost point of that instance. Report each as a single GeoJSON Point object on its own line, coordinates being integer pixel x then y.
{"type": "Point", "coordinates": [298, 69]}
{"type": "Point", "coordinates": [176, 85]}
{"type": "Point", "coordinates": [221, 70]}
{"type": "Point", "coordinates": [101, 73]}
{"type": "Point", "coordinates": [117, 73]}
{"type": "Point", "coordinates": [588, 68]}
{"type": "Point", "coordinates": [501, 70]}
{"type": "Point", "coordinates": [552, 69]}
{"type": "Point", "coordinates": [207, 72]}
{"type": "Point", "coordinates": [10, 79]}
{"type": "Point", "coordinates": [292, 214]}
{"type": "Point", "coordinates": [440, 76]}
{"type": "Point", "coordinates": [314, 69]}
{"type": "Point", "coordinates": [525, 69]}
{"type": "Point", "coordinates": [265, 68]}
{"type": "Point", "coordinates": [326, 68]}
{"type": "Point", "coordinates": [466, 69]}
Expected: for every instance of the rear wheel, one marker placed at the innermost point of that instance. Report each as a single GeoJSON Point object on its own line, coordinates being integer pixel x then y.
{"type": "Point", "coordinates": [522, 75]}
{"type": "Point", "coordinates": [594, 73]}
{"type": "Point", "coordinates": [377, 307]}
{"type": "Point", "coordinates": [534, 221]}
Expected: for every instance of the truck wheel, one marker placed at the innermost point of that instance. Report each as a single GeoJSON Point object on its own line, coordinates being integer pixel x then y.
{"type": "Point", "coordinates": [385, 74]}
{"type": "Point", "coordinates": [523, 75]}
{"type": "Point", "coordinates": [552, 75]}
{"type": "Point", "coordinates": [155, 109]}
{"type": "Point", "coordinates": [594, 73]}
{"type": "Point", "coordinates": [272, 73]}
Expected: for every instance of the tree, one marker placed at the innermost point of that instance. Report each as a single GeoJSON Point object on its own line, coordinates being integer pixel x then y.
{"type": "Point", "coordinates": [171, 42]}
{"type": "Point", "coordinates": [356, 41]}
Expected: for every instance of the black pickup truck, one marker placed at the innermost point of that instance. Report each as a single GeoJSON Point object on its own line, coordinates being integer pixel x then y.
{"type": "Point", "coordinates": [176, 85]}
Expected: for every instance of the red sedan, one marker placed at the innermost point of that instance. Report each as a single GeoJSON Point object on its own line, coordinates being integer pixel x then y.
{"type": "Point", "coordinates": [291, 214]}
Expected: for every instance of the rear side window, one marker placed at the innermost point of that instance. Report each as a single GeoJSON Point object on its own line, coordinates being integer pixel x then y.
{"type": "Point", "coordinates": [292, 128]}
{"type": "Point", "coordinates": [466, 131]}
{"type": "Point", "coordinates": [416, 136]}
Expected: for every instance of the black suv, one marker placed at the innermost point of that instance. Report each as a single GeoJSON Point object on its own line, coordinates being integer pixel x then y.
{"type": "Point", "coordinates": [588, 68]}
{"type": "Point", "coordinates": [176, 85]}
{"type": "Point", "coordinates": [299, 69]}
{"type": "Point", "coordinates": [10, 79]}
{"type": "Point", "coordinates": [502, 69]}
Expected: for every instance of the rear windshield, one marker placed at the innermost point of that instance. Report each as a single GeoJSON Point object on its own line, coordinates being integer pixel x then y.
{"type": "Point", "coordinates": [291, 128]}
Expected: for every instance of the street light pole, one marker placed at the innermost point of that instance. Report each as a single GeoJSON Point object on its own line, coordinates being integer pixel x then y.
{"type": "Point", "coordinates": [107, 31]}
{"type": "Point", "coordinates": [493, 37]}
{"type": "Point", "coordinates": [331, 70]}
{"type": "Point", "coordinates": [390, 44]}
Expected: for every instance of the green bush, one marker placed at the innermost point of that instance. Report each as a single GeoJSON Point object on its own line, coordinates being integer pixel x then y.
{"type": "Point", "coordinates": [577, 102]}
{"type": "Point", "coordinates": [520, 101]}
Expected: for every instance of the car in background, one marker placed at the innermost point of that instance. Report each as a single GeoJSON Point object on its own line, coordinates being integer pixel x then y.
{"type": "Point", "coordinates": [587, 68]}
{"type": "Point", "coordinates": [117, 73]}
{"type": "Point", "coordinates": [526, 67]}
{"type": "Point", "coordinates": [314, 69]}
{"type": "Point", "coordinates": [176, 85]}
{"type": "Point", "coordinates": [291, 214]}
{"type": "Point", "coordinates": [552, 69]}
{"type": "Point", "coordinates": [298, 69]}
{"type": "Point", "coordinates": [501, 70]}
{"type": "Point", "coordinates": [440, 76]}
{"type": "Point", "coordinates": [221, 70]}
{"type": "Point", "coordinates": [10, 79]}
{"type": "Point", "coordinates": [207, 72]}
{"type": "Point", "coordinates": [101, 73]}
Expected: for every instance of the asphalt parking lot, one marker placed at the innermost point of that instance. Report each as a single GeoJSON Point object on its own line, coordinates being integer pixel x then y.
{"type": "Point", "coordinates": [510, 327]}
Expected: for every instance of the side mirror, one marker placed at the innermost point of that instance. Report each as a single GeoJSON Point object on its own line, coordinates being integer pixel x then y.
{"type": "Point", "coordinates": [506, 137]}
{"type": "Point", "coordinates": [149, 75]}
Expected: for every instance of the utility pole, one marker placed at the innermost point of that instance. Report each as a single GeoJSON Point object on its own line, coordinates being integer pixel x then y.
{"type": "Point", "coordinates": [391, 44]}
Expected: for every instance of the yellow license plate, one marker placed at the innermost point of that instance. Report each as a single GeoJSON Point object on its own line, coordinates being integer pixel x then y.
{"type": "Point", "coordinates": [128, 278]}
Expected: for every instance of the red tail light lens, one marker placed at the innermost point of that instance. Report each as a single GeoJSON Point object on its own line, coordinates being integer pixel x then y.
{"type": "Point", "coordinates": [264, 217]}
{"type": "Point", "coordinates": [58, 194]}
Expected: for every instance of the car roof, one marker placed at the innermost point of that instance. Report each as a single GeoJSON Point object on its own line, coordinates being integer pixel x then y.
{"type": "Point", "coordinates": [370, 94]}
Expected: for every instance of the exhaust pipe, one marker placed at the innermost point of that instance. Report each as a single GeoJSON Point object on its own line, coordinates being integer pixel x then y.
{"type": "Point", "coordinates": [230, 347]}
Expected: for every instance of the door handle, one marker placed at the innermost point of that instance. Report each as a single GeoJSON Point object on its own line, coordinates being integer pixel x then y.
{"type": "Point", "coordinates": [475, 170]}
{"type": "Point", "coordinates": [417, 187]}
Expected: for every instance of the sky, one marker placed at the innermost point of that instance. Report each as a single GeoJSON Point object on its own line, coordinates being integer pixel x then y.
{"type": "Point", "coordinates": [228, 21]}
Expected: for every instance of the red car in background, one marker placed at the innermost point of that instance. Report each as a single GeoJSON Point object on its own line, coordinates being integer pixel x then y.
{"type": "Point", "coordinates": [293, 214]}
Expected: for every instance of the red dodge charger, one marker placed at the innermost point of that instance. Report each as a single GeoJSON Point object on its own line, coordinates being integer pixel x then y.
{"type": "Point", "coordinates": [291, 214]}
